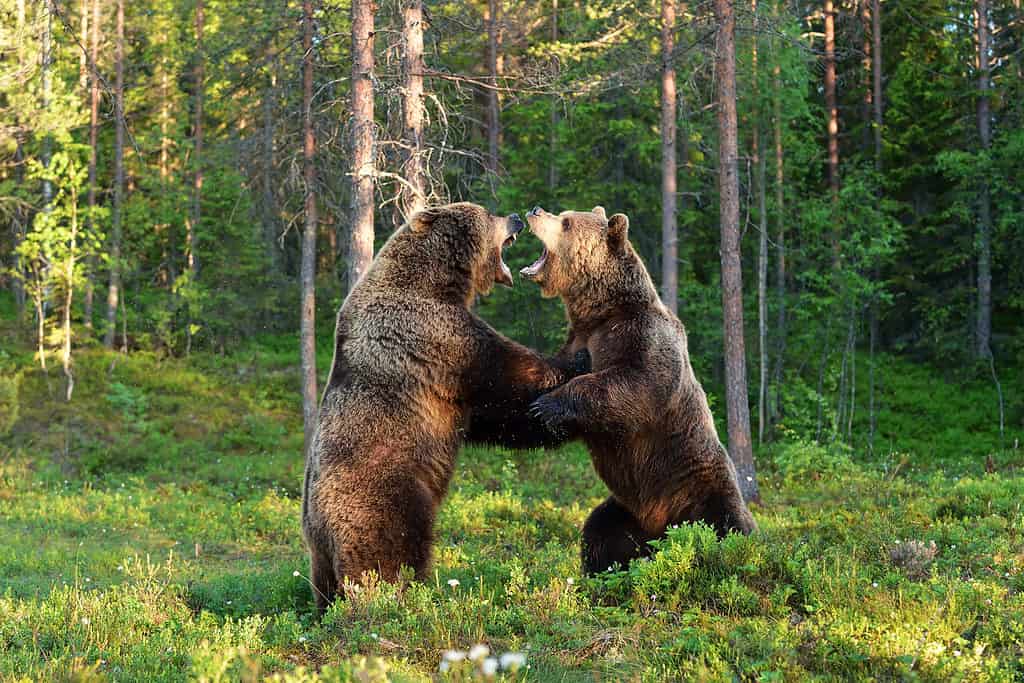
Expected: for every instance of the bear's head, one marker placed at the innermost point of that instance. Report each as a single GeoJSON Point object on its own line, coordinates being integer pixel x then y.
{"type": "Point", "coordinates": [458, 248]}
{"type": "Point", "coordinates": [586, 254]}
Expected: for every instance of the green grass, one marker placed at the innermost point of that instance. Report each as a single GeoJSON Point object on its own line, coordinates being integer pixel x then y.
{"type": "Point", "coordinates": [150, 531]}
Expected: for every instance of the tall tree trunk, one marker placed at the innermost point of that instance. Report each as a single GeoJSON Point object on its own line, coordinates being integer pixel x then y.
{"type": "Point", "coordinates": [46, 77]}
{"type": "Point", "coordinates": [762, 251]}
{"type": "Point", "coordinates": [94, 128]}
{"type": "Point", "coordinates": [738, 410]}
{"type": "Point", "coordinates": [20, 215]}
{"type": "Point", "coordinates": [866, 64]}
{"type": "Point", "coordinates": [876, 100]}
{"type": "Point", "coordinates": [876, 77]}
{"type": "Point", "coordinates": [192, 226]}
{"type": "Point", "coordinates": [69, 283]}
{"type": "Point", "coordinates": [114, 288]}
{"type": "Point", "coordinates": [553, 133]}
{"type": "Point", "coordinates": [83, 58]}
{"type": "Point", "coordinates": [308, 324]}
{"type": "Point", "coordinates": [830, 104]}
{"type": "Point", "coordinates": [983, 329]}
{"type": "Point", "coordinates": [780, 239]}
{"type": "Point", "coordinates": [669, 215]}
{"type": "Point", "coordinates": [363, 169]}
{"type": "Point", "coordinates": [494, 19]}
{"type": "Point", "coordinates": [412, 106]}
{"type": "Point", "coordinates": [270, 224]}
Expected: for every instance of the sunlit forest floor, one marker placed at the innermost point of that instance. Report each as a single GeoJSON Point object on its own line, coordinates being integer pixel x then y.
{"type": "Point", "coordinates": [150, 531]}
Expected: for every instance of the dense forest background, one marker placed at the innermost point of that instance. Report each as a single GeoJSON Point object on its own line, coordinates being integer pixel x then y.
{"type": "Point", "coordinates": [186, 175]}
{"type": "Point", "coordinates": [828, 192]}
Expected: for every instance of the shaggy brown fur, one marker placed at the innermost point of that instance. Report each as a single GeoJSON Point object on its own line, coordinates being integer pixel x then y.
{"type": "Point", "coordinates": [642, 412]}
{"type": "Point", "coordinates": [413, 368]}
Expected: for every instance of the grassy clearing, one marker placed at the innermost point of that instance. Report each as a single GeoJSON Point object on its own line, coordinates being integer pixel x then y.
{"type": "Point", "coordinates": [151, 533]}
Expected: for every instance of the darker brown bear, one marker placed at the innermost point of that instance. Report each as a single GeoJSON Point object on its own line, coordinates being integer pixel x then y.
{"type": "Point", "coordinates": [413, 369]}
{"type": "Point", "coordinates": [641, 412]}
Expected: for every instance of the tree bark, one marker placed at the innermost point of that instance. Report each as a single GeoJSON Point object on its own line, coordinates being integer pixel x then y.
{"type": "Point", "coordinates": [46, 78]}
{"type": "Point", "coordinates": [983, 329]}
{"type": "Point", "coordinates": [94, 128]}
{"type": "Point", "coordinates": [20, 215]}
{"type": "Point", "coordinates": [192, 226]}
{"type": "Point", "coordinates": [762, 251]}
{"type": "Point", "coordinates": [738, 410]}
{"type": "Point", "coordinates": [412, 106]}
{"type": "Point", "coordinates": [308, 323]}
{"type": "Point", "coordinates": [553, 133]}
{"type": "Point", "coordinates": [866, 68]}
{"type": "Point", "coordinates": [69, 277]}
{"type": "Point", "coordinates": [494, 19]}
{"type": "Point", "coordinates": [830, 103]}
{"type": "Point", "coordinates": [114, 287]}
{"type": "Point", "coordinates": [780, 239]}
{"type": "Point", "coordinates": [876, 76]}
{"type": "Point", "coordinates": [669, 187]}
{"type": "Point", "coordinates": [363, 170]}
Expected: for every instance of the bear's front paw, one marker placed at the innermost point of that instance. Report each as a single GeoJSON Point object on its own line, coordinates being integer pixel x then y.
{"type": "Point", "coordinates": [554, 412]}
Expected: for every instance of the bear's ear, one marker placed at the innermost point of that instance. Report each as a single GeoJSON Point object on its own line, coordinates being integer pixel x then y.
{"type": "Point", "coordinates": [599, 210]}
{"type": "Point", "coordinates": [618, 229]}
{"type": "Point", "coordinates": [422, 220]}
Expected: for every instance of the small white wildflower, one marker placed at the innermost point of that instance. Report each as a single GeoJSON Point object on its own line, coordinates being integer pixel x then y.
{"type": "Point", "coordinates": [85, 621]}
{"type": "Point", "coordinates": [453, 582]}
{"type": "Point", "coordinates": [229, 602]}
{"type": "Point", "coordinates": [453, 655]}
{"type": "Point", "coordinates": [120, 567]}
{"type": "Point", "coordinates": [489, 667]}
{"type": "Point", "coordinates": [374, 636]}
{"type": "Point", "coordinates": [88, 580]}
{"type": "Point", "coordinates": [952, 547]}
{"type": "Point", "coordinates": [302, 639]}
{"type": "Point", "coordinates": [296, 573]}
{"type": "Point", "coordinates": [511, 661]}
{"type": "Point", "coordinates": [956, 653]}
{"type": "Point", "coordinates": [874, 584]}
{"type": "Point", "coordinates": [570, 581]}
{"type": "Point", "coordinates": [478, 651]}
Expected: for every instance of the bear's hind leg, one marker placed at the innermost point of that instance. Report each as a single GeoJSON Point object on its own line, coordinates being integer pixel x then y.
{"type": "Point", "coordinates": [321, 576]}
{"type": "Point", "coordinates": [391, 527]}
{"type": "Point", "coordinates": [612, 535]}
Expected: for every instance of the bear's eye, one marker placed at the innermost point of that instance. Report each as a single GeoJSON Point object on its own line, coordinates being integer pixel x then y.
{"type": "Point", "coordinates": [565, 224]}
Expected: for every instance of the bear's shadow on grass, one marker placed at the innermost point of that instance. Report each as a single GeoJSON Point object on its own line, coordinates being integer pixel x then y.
{"type": "Point", "coordinates": [250, 592]}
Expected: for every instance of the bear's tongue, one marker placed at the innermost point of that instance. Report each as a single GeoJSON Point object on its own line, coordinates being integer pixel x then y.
{"type": "Point", "coordinates": [534, 268]}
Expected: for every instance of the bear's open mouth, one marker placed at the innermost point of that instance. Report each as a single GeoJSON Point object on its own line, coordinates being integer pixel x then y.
{"type": "Point", "coordinates": [533, 270]}
{"type": "Point", "coordinates": [504, 274]}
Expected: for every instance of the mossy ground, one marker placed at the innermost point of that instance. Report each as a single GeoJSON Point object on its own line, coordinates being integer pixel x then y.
{"type": "Point", "coordinates": [151, 532]}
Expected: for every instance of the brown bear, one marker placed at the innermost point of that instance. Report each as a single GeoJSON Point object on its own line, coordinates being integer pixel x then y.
{"type": "Point", "coordinates": [413, 370]}
{"type": "Point", "coordinates": [641, 411]}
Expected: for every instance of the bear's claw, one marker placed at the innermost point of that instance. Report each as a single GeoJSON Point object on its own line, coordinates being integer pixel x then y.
{"type": "Point", "coordinates": [554, 412]}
